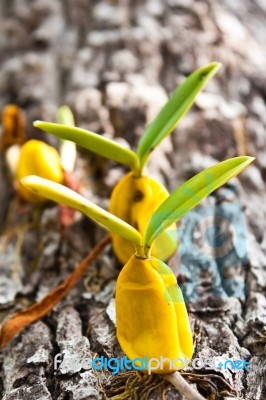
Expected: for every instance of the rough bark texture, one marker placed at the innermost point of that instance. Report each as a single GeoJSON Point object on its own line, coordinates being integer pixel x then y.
{"type": "Point", "coordinates": [115, 63]}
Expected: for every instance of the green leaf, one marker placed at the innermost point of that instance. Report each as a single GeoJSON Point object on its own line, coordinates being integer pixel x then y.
{"type": "Point", "coordinates": [63, 195]}
{"type": "Point", "coordinates": [174, 109]}
{"type": "Point", "coordinates": [190, 193]}
{"type": "Point", "coordinates": [92, 141]}
{"type": "Point", "coordinates": [67, 149]}
{"type": "Point", "coordinates": [65, 116]}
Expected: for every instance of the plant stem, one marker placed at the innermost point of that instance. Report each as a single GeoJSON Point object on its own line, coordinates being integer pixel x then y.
{"type": "Point", "coordinates": [140, 251]}
{"type": "Point", "coordinates": [137, 172]}
{"type": "Point", "coordinates": [183, 387]}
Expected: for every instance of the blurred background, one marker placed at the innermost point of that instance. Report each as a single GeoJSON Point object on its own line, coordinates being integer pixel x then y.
{"type": "Point", "coordinates": [115, 63]}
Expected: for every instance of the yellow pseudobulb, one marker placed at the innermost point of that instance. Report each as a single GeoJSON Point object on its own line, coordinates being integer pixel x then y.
{"type": "Point", "coordinates": [38, 158]}
{"type": "Point", "coordinates": [151, 315]}
{"type": "Point", "coordinates": [134, 200]}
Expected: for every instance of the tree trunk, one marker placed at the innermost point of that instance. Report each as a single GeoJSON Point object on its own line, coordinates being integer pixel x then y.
{"type": "Point", "coordinates": [115, 63]}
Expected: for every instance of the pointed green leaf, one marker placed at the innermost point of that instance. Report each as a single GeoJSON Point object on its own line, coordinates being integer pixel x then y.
{"type": "Point", "coordinates": [91, 141]}
{"type": "Point", "coordinates": [67, 150]}
{"type": "Point", "coordinates": [65, 116]}
{"type": "Point", "coordinates": [190, 193]}
{"type": "Point", "coordinates": [179, 103]}
{"type": "Point", "coordinates": [63, 195]}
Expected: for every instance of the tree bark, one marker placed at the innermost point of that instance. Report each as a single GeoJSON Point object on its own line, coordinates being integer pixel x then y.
{"type": "Point", "coordinates": [115, 63]}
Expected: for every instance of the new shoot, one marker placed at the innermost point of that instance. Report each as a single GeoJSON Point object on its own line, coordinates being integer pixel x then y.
{"type": "Point", "coordinates": [151, 315]}
{"type": "Point", "coordinates": [136, 197]}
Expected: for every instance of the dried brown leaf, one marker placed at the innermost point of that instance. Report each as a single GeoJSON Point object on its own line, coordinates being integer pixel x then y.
{"type": "Point", "coordinates": [24, 318]}
{"type": "Point", "coordinates": [13, 122]}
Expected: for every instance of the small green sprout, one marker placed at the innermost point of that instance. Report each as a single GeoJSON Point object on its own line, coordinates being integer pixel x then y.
{"type": "Point", "coordinates": [151, 316]}
{"type": "Point", "coordinates": [136, 196]}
